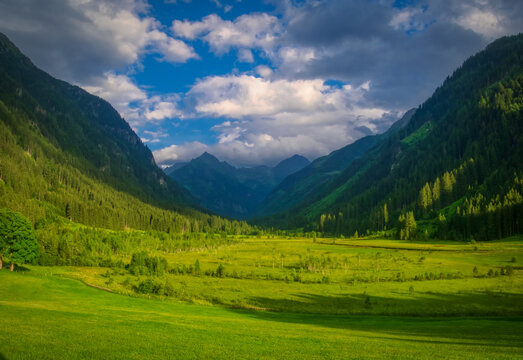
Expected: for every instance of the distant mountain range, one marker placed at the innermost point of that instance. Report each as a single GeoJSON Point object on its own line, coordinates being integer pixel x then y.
{"type": "Point", "coordinates": [231, 191]}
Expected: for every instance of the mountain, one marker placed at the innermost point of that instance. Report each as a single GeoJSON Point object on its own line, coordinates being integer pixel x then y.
{"type": "Point", "coordinates": [65, 153]}
{"type": "Point", "coordinates": [170, 169]}
{"type": "Point", "coordinates": [456, 168]}
{"type": "Point", "coordinates": [307, 182]}
{"type": "Point", "coordinates": [289, 166]}
{"type": "Point", "coordinates": [232, 191]}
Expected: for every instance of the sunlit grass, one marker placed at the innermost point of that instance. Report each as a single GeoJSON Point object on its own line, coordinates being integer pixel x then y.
{"type": "Point", "coordinates": [278, 298]}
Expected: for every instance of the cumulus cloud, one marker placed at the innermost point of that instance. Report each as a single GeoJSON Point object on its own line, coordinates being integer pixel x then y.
{"type": "Point", "coordinates": [78, 40]}
{"type": "Point", "coordinates": [176, 153]}
{"type": "Point", "coordinates": [406, 52]}
{"type": "Point", "coordinates": [162, 107]}
{"type": "Point", "coordinates": [246, 31]}
{"type": "Point", "coordinates": [272, 119]}
{"type": "Point", "coordinates": [243, 96]}
{"type": "Point", "coordinates": [486, 23]}
{"type": "Point", "coordinates": [132, 102]}
{"type": "Point", "coordinates": [119, 90]}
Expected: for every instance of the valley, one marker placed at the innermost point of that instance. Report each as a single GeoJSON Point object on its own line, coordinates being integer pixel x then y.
{"type": "Point", "coordinates": [420, 297]}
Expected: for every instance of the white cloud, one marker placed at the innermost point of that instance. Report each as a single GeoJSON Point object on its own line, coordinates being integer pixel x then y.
{"type": "Point", "coordinates": [133, 103]}
{"type": "Point", "coordinates": [246, 31]}
{"type": "Point", "coordinates": [173, 50]}
{"type": "Point", "coordinates": [245, 95]}
{"type": "Point", "coordinates": [407, 20]}
{"type": "Point", "coordinates": [274, 119]}
{"type": "Point", "coordinates": [293, 60]}
{"type": "Point", "coordinates": [263, 71]}
{"type": "Point", "coordinates": [158, 108]}
{"type": "Point", "coordinates": [119, 90]}
{"type": "Point", "coordinates": [245, 55]}
{"type": "Point", "coordinates": [176, 153]}
{"type": "Point", "coordinates": [77, 40]}
{"type": "Point", "coordinates": [484, 22]}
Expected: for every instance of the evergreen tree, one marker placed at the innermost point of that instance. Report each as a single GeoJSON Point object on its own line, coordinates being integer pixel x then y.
{"type": "Point", "coordinates": [425, 197]}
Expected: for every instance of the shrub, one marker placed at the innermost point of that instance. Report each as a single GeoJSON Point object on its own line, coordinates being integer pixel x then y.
{"type": "Point", "coordinates": [149, 286]}
{"type": "Point", "coordinates": [220, 270]}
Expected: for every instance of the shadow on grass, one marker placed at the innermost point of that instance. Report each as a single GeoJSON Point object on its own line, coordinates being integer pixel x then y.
{"type": "Point", "coordinates": [461, 319]}
{"type": "Point", "coordinates": [17, 268]}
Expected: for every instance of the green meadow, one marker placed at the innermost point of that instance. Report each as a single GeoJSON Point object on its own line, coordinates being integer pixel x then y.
{"type": "Point", "coordinates": [289, 298]}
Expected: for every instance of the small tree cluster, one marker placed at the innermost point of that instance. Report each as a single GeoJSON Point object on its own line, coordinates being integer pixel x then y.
{"type": "Point", "coordinates": [143, 264]}
{"type": "Point", "coordinates": [407, 226]}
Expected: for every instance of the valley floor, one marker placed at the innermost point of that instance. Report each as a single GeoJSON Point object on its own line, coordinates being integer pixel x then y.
{"type": "Point", "coordinates": [273, 306]}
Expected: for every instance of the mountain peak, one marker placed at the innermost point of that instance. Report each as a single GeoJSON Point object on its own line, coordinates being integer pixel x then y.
{"type": "Point", "coordinates": [290, 165]}
{"type": "Point", "coordinates": [207, 158]}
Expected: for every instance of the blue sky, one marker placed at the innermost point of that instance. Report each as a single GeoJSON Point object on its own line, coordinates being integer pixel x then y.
{"type": "Point", "coordinates": [254, 82]}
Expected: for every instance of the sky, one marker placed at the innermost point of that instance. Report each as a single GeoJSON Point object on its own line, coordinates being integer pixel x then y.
{"type": "Point", "coordinates": [255, 82]}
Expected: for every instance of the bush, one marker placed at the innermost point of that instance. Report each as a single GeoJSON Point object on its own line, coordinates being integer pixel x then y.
{"type": "Point", "coordinates": [149, 286]}
{"type": "Point", "coordinates": [220, 270]}
{"type": "Point", "coordinates": [169, 289]}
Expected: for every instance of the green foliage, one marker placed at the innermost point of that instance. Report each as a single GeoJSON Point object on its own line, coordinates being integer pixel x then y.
{"type": "Point", "coordinates": [144, 264]}
{"type": "Point", "coordinates": [220, 270]}
{"type": "Point", "coordinates": [17, 239]}
{"type": "Point", "coordinates": [407, 226]}
{"type": "Point", "coordinates": [74, 244]}
{"type": "Point", "coordinates": [150, 286]}
{"type": "Point", "coordinates": [197, 268]}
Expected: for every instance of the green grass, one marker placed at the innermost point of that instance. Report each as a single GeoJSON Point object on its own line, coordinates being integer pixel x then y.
{"type": "Point", "coordinates": [262, 308]}
{"type": "Point", "coordinates": [336, 277]}
{"type": "Point", "coordinates": [50, 317]}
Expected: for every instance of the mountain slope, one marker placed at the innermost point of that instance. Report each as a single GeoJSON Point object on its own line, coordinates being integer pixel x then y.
{"type": "Point", "coordinates": [230, 191]}
{"type": "Point", "coordinates": [65, 154]}
{"type": "Point", "coordinates": [306, 183]}
{"type": "Point", "coordinates": [457, 164]}
{"type": "Point", "coordinates": [84, 126]}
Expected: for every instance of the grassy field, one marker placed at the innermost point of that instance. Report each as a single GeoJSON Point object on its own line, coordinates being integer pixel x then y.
{"type": "Point", "coordinates": [278, 298]}
{"type": "Point", "coordinates": [341, 276]}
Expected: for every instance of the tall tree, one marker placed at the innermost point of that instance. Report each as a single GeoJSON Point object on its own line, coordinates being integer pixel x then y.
{"type": "Point", "coordinates": [17, 239]}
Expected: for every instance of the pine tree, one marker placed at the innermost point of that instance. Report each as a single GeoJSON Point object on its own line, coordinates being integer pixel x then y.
{"type": "Point", "coordinates": [385, 215]}
{"type": "Point", "coordinates": [425, 197]}
{"type": "Point", "coordinates": [436, 192]}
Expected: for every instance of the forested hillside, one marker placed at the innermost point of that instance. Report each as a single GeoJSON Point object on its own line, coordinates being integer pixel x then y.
{"type": "Point", "coordinates": [454, 171]}
{"type": "Point", "coordinates": [84, 126]}
{"type": "Point", "coordinates": [68, 155]}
